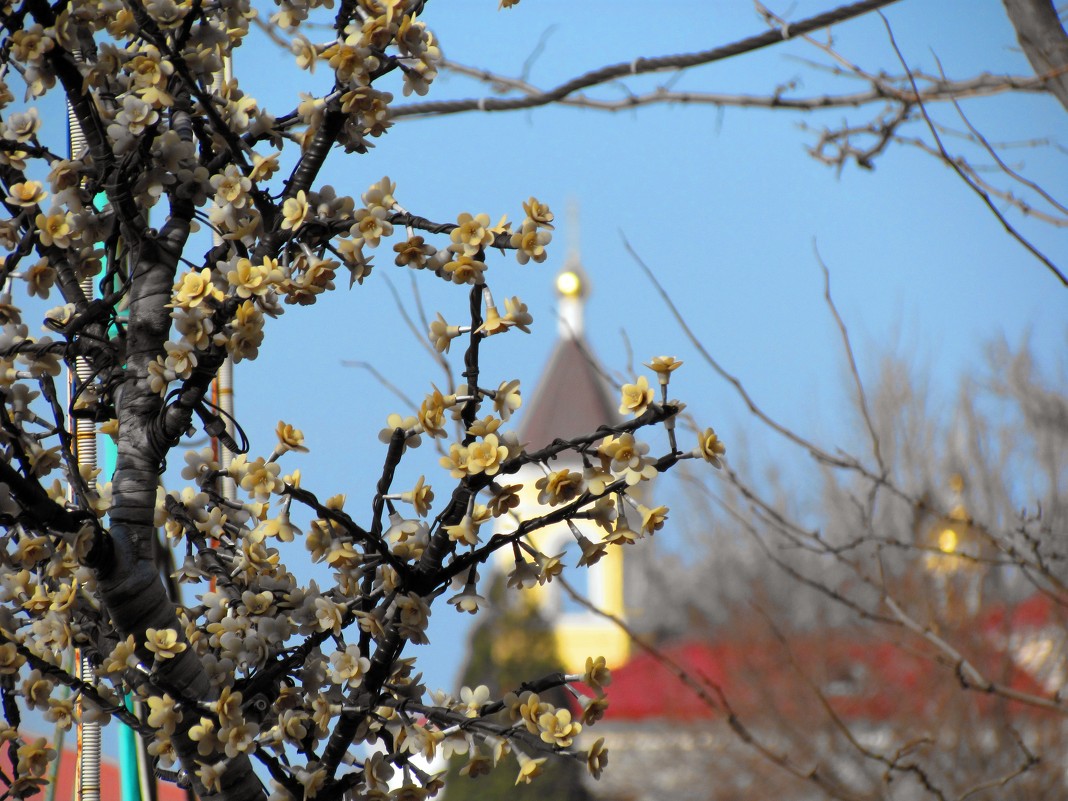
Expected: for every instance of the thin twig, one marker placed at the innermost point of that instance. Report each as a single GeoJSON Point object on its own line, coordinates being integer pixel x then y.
{"type": "Point", "coordinates": [854, 372]}
{"type": "Point", "coordinates": [798, 440]}
{"type": "Point", "coordinates": [964, 176]}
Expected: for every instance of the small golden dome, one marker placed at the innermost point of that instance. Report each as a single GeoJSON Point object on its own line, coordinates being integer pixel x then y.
{"type": "Point", "coordinates": [569, 284]}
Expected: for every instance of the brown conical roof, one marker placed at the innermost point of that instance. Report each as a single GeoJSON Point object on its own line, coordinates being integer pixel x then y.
{"type": "Point", "coordinates": [571, 398]}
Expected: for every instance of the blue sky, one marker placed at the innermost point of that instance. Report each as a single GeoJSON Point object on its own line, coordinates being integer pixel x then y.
{"type": "Point", "coordinates": [725, 206]}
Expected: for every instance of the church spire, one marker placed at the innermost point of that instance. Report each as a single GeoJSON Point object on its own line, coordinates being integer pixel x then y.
{"type": "Point", "coordinates": [572, 283]}
{"type": "Point", "coordinates": [571, 399]}
{"type": "Point", "coordinates": [572, 287]}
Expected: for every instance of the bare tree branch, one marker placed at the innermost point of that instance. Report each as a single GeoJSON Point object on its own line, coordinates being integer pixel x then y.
{"type": "Point", "coordinates": [641, 66]}
{"type": "Point", "coordinates": [1013, 232]}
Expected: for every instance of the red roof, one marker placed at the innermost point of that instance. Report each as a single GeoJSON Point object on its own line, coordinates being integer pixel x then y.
{"type": "Point", "coordinates": [110, 781]}
{"type": "Point", "coordinates": [1037, 612]}
{"type": "Point", "coordinates": [861, 677]}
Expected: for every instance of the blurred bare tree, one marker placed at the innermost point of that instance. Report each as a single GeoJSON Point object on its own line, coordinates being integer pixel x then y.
{"type": "Point", "coordinates": [900, 615]}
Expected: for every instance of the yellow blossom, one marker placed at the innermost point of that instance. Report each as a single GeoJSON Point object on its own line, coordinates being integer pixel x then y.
{"type": "Point", "coordinates": [61, 712]}
{"type": "Point", "coordinates": [483, 426]}
{"type": "Point", "coordinates": [529, 768]}
{"type": "Point", "coordinates": [593, 709]}
{"type": "Point", "coordinates": [413, 617]}
{"type": "Point", "coordinates": [527, 708]}
{"type": "Point", "coordinates": [597, 676]}
{"type": "Point", "coordinates": [463, 532]}
{"type": "Point", "coordinates": [413, 253]}
{"type": "Point", "coordinates": [653, 519]}
{"type": "Point", "coordinates": [164, 643]}
{"type": "Point", "coordinates": [442, 334]}
{"type": "Point", "coordinates": [432, 413]}
{"type": "Point", "coordinates": [471, 234]}
{"type": "Point", "coordinates": [636, 397]}
{"type": "Point", "coordinates": [180, 359]}
{"type": "Point", "coordinates": [529, 243]}
{"type": "Point", "coordinates": [289, 438]}
{"type": "Point", "coordinates": [494, 323]}
{"type": "Point", "coordinates": [381, 194]}
{"type": "Point", "coordinates": [329, 615]}
{"type": "Point", "coordinates": [371, 225]}
{"type": "Point", "coordinates": [592, 552]}
{"type": "Point", "coordinates": [26, 193]}
{"type": "Point", "coordinates": [504, 499]}
{"type": "Point", "coordinates": [36, 689]}
{"type": "Point", "coordinates": [34, 757]}
{"type": "Point", "coordinates": [54, 228]}
{"type": "Point", "coordinates": [194, 288]}
{"type": "Point", "coordinates": [410, 426]}
{"type": "Point", "coordinates": [628, 458]}
{"type": "Point", "coordinates": [263, 167]}
{"type": "Point", "coordinates": [551, 567]}
{"type": "Point", "coordinates": [597, 480]}
{"type": "Point", "coordinates": [10, 659]}
{"type": "Point", "coordinates": [420, 496]}
{"type": "Point", "coordinates": [260, 479]}
{"type": "Point", "coordinates": [560, 486]}
{"type": "Point", "coordinates": [279, 527]}
{"type": "Point", "coordinates": [710, 448]}
{"type": "Point", "coordinates": [231, 187]}
{"type": "Point", "coordinates": [250, 280]}
{"type": "Point", "coordinates": [474, 699]}
{"type": "Point", "coordinates": [502, 226]}
{"type": "Point", "coordinates": [40, 278]}
{"type": "Point", "coordinates": [557, 728]}
{"type": "Point", "coordinates": [663, 366]}
{"type": "Point", "coordinates": [515, 312]}
{"type": "Point", "coordinates": [22, 126]}
{"type": "Point", "coordinates": [538, 213]}
{"type": "Point", "coordinates": [597, 758]}
{"type": "Point", "coordinates": [468, 600]}
{"type": "Point", "coordinates": [506, 398]}
{"type": "Point", "coordinates": [480, 514]}
{"type": "Point", "coordinates": [347, 668]}
{"type": "Point", "coordinates": [295, 211]}
{"type": "Point", "coordinates": [621, 533]}
{"type": "Point", "coordinates": [211, 775]}
{"type": "Point", "coordinates": [465, 269]}
{"type": "Point", "coordinates": [486, 456]}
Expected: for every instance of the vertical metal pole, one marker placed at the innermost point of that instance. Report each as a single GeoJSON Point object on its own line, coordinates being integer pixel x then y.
{"type": "Point", "coordinates": [88, 777]}
{"type": "Point", "coordinates": [225, 400]}
{"type": "Point", "coordinates": [224, 381]}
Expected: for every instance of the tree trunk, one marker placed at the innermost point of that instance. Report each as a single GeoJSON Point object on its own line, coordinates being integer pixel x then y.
{"type": "Point", "coordinates": [1044, 42]}
{"type": "Point", "coordinates": [130, 584]}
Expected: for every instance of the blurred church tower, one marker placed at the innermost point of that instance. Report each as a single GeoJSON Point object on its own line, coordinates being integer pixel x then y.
{"type": "Point", "coordinates": [572, 398]}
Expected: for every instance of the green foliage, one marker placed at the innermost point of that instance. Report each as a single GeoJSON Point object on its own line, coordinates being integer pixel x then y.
{"type": "Point", "coordinates": [512, 643]}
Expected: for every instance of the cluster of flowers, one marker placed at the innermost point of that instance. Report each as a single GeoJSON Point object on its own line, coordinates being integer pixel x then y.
{"type": "Point", "coordinates": [247, 626]}
{"type": "Point", "coordinates": [461, 262]}
{"type": "Point", "coordinates": [257, 627]}
{"type": "Point", "coordinates": [256, 290]}
{"type": "Point", "coordinates": [481, 722]}
{"type": "Point", "coordinates": [140, 80]}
